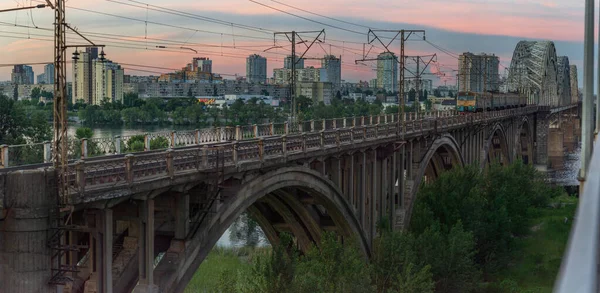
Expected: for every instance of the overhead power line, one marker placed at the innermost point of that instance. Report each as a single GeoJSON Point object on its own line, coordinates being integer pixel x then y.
{"type": "Point", "coordinates": [308, 19]}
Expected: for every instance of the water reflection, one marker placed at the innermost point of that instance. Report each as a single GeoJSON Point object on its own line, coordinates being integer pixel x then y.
{"type": "Point", "coordinates": [128, 130]}
{"type": "Point", "coordinates": [567, 175]}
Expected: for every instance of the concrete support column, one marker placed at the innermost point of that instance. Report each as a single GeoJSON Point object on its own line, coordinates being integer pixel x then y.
{"type": "Point", "coordinates": [146, 249]}
{"type": "Point", "coordinates": [182, 212]}
{"type": "Point", "coordinates": [24, 255]}
{"type": "Point", "coordinates": [570, 139]}
{"type": "Point", "coordinates": [541, 140]}
{"type": "Point", "coordinates": [556, 148]}
{"type": "Point", "coordinates": [363, 191]}
{"type": "Point", "coordinates": [336, 170]}
{"type": "Point", "coordinates": [351, 181]}
{"type": "Point", "coordinates": [107, 245]}
{"type": "Point", "coordinates": [376, 188]}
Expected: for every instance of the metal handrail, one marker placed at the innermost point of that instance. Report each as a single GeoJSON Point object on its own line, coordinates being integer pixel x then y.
{"type": "Point", "coordinates": [579, 268]}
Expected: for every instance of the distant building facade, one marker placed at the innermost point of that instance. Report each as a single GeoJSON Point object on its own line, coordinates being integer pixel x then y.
{"type": "Point", "coordinates": [202, 64]}
{"type": "Point", "coordinates": [83, 75]}
{"type": "Point", "coordinates": [48, 76]}
{"type": "Point", "coordinates": [387, 72]}
{"type": "Point", "coordinates": [308, 74]}
{"type": "Point", "coordinates": [316, 91]}
{"type": "Point", "coordinates": [256, 69]}
{"type": "Point", "coordinates": [108, 82]}
{"type": "Point", "coordinates": [22, 74]}
{"type": "Point", "coordinates": [478, 73]}
{"type": "Point", "coordinates": [333, 66]}
{"type": "Point", "coordinates": [287, 62]}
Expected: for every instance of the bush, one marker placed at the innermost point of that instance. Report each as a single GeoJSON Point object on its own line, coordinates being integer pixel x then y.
{"type": "Point", "coordinates": [135, 144]}
{"type": "Point", "coordinates": [83, 132]}
{"type": "Point", "coordinates": [158, 143]}
{"type": "Point", "coordinates": [333, 267]}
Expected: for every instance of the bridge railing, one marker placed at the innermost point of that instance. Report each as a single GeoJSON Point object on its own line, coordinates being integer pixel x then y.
{"type": "Point", "coordinates": [579, 268]}
{"type": "Point", "coordinates": [356, 129]}
{"type": "Point", "coordinates": [140, 166]}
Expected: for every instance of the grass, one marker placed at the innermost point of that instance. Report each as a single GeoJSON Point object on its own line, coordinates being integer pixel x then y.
{"type": "Point", "coordinates": [536, 259]}
{"type": "Point", "coordinates": [219, 260]}
{"type": "Point", "coordinates": [207, 276]}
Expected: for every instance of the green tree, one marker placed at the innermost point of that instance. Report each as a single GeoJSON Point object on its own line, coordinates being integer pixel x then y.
{"type": "Point", "coordinates": [35, 95]}
{"type": "Point", "coordinates": [412, 94]}
{"type": "Point", "coordinates": [332, 267]}
{"type": "Point", "coordinates": [83, 132]}
{"type": "Point", "coordinates": [13, 121]}
{"type": "Point", "coordinates": [437, 93]}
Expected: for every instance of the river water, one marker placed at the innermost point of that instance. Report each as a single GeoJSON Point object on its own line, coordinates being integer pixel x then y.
{"type": "Point", "coordinates": [567, 175]}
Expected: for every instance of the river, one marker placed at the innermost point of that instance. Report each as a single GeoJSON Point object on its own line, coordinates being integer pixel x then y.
{"type": "Point", "coordinates": [127, 130]}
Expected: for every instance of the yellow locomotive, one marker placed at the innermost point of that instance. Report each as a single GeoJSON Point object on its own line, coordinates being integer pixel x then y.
{"type": "Point", "coordinates": [479, 102]}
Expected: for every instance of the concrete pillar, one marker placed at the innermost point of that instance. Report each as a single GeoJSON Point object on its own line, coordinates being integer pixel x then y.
{"type": "Point", "coordinates": [337, 171]}
{"type": "Point", "coordinates": [376, 188]}
{"type": "Point", "coordinates": [555, 148]}
{"type": "Point", "coordinates": [363, 191]}
{"type": "Point", "coordinates": [107, 245]}
{"type": "Point", "coordinates": [146, 249]}
{"type": "Point", "coordinates": [24, 255]}
{"type": "Point", "coordinates": [570, 140]}
{"type": "Point", "coordinates": [541, 139]}
{"type": "Point", "coordinates": [351, 181]}
{"type": "Point", "coordinates": [182, 212]}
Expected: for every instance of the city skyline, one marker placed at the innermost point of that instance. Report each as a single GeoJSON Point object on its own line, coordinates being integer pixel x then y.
{"type": "Point", "coordinates": [448, 34]}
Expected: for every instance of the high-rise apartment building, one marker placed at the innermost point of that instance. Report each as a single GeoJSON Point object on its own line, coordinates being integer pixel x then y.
{"type": "Point", "coordinates": [29, 73]}
{"type": "Point", "coordinates": [308, 74]}
{"type": "Point", "coordinates": [49, 73]}
{"type": "Point", "coordinates": [48, 76]}
{"type": "Point", "coordinates": [333, 66]}
{"type": "Point", "coordinates": [202, 64]}
{"type": "Point", "coordinates": [84, 85]}
{"type": "Point", "coordinates": [108, 82]}
{"type": "Point", "coordinates": [387, 72]}
{"type": "Point", "coordinates": [478, 73]}
{"type": "Point", "coordinates": [22, 74]}
{"type": "Point", "coordinates": [256, 69]}
{"type": "Point", "coordinates": [287, 62]}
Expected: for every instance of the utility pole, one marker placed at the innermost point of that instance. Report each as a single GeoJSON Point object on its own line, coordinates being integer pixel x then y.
{"type": "Point", "coordinates": [291, 36]}
{"type": "Point", "coordinates": [61, 263]}
{"type": "Point", "coordinates": [404, 36]}
{"type": "Point", "coordinates": [418, 74]}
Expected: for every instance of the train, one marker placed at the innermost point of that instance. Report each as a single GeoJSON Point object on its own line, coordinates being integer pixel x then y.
{"type": "Point", "coordinates": [478, 102]}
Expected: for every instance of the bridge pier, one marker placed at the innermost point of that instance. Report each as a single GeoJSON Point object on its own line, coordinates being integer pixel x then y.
{"type": "Point", "coordinates": [24, 253]}
{"type": "Point", "coordinates": [541, 140]}
{"type": "Point", "coordinates": [146, 249]}
{"type": "Point", "coordinates": [555, 148]}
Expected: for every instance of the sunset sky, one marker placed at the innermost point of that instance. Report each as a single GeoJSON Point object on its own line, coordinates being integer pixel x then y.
{"type": "Point", "coordinates": [245, 27]}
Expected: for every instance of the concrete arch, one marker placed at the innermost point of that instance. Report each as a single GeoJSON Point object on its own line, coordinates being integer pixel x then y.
{"type": "Point", "coordinates": [446, 146]}
{"type": "Point", "coordinates": [523, 148]}
{"type": "Point", "coordinates": [324, 191]}
{"type": "Point", "coordinates": [497, 139]}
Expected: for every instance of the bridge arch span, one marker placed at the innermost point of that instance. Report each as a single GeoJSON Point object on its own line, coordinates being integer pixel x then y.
{"type": "Point", "coordinates": [496, 148]}
{"type": "Point", "coordinates": [442, 155]}
{"type": "Point", "coordinates": [272, 192]}
{"type": "Point", "coordinates": [523, 148]}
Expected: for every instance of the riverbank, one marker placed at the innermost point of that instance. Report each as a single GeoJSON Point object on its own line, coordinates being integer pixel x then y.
{"type": "Point", "coordinates": [533, 266]}
{"type": "Point", "coordinates": [536, 259]}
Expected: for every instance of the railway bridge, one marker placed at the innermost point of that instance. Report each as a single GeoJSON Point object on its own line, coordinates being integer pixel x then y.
{"type": "Point", "coordinates": [145, 221]}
